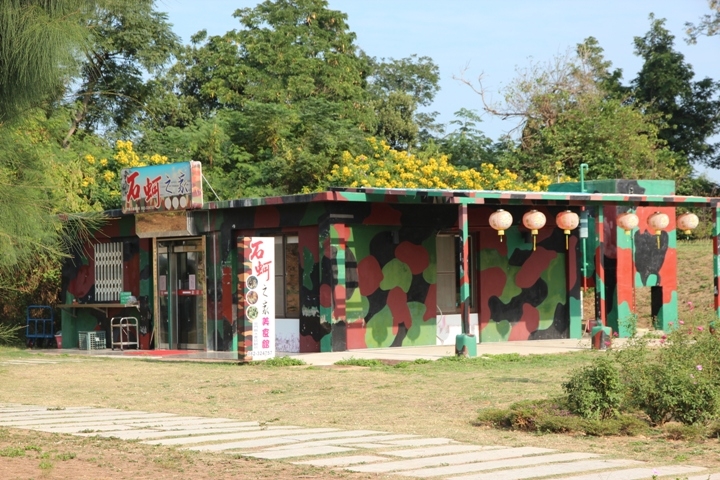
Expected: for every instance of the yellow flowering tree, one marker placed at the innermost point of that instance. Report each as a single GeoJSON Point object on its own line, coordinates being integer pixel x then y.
{"type": "Point", "coordinates": [388, 168]}
{"type": "Point", "coordinates": [100, 184]}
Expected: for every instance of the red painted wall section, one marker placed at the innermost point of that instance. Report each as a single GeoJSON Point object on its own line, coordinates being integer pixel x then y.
{"type": "Point", "coordinates": [382, 214]}
{"type": "Point", "coordinates": [267, 217]}
{"type": "Point", "coordinates": [530, 323]}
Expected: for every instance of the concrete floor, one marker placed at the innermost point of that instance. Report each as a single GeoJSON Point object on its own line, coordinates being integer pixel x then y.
{"type": "Point", "coordinates": [432, 352]}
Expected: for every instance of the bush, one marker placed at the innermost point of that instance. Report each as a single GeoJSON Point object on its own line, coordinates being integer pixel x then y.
{"type": "Point", "coordinates": [552, 416]}
{"type": "Point", "coordinates": [360, 362]}
{"type": "Point", "coordinates": [9, 334]}
{"type": "Point", "coordinates": [679, 381]}
{"type": "Point", "coordinates": [281, 362]}
{"type": "Point", "coordinates": [595, 391]}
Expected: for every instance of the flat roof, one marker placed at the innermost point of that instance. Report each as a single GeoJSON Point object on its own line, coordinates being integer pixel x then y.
{"type": "Point", "coordinates": [470, 197]}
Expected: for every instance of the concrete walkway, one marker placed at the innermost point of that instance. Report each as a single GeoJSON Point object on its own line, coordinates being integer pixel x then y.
{"type": "Point", "coordinates": [366, 451]}
{"type": "Point", "coordinates": [433, 352]}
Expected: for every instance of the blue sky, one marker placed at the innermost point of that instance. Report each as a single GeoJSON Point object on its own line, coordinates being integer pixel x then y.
{"type": "Point", "coordinates": [492, 38]}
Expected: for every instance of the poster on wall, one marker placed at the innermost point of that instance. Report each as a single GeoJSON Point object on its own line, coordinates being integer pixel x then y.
{"type": "Point", "coordinates": [156, 188]}
{"type": "Point", "coordinates": [260, 296]}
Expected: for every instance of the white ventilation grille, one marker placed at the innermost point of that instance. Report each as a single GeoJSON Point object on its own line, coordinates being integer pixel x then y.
{"type": "Point", "coordinates": [108, 271]}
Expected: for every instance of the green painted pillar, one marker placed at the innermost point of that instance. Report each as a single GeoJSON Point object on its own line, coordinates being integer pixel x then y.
{"type": "Point", "coordinates": [598, 327]}
{"type": "Point", "coordinates": [716, 266]}
{"type": "Point", "coordinates": [668, 312]}
{"type": "Point", "coordinates": [465, 343]}
{"type": "Point", "coordinates": [339, 317]}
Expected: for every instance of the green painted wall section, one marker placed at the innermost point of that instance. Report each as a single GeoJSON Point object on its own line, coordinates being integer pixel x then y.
{"type": "Point", "coordinates": [554, 275]}
{"type": "Point", "coordinates": [396, 274]}
{"type": "Point", "coordinates": [668, 314]}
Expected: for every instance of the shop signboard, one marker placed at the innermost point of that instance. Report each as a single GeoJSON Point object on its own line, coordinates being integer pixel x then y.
{"type": "Point", "coordinates": [156, 188]}
{"type": "Point", "coordinates": [260, 296]}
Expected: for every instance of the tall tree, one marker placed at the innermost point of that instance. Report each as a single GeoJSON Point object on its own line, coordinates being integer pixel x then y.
{"type": "Point", "coordinates": [39, 41]}
{"type": "Point", "coordinates": [467, 145]}
{"type": "Point", "coordinates": [399, 88]}
{"type": "Point", "coordinates": [287, 91]}
{"type": "Point", "coordinates": [665, 85]}
{"type": "Point", "coordinates": [709, 24]}
{"type": "Point", "coordinates": [129, 41]}
{"type": "Point", "coordinates": [571, 111]}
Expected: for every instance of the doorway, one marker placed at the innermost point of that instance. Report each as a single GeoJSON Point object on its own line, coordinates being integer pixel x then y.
{"type": "Point", "coordinates": [180, 282]}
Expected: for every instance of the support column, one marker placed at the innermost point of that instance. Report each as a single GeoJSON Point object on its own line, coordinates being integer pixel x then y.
{"type": "Point", "coordinates": [573, 281]}
{"type": "Point", "coordinates": [716, 259]}
{"type": "Point", "coordinates": [332, 287]}
{"type": "Point", "coordinates": [465, 343]}
{"type": "Point", "coordinates": [600, 331]}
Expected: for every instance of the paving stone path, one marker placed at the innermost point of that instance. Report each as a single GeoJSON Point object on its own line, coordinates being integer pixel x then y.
{"type": "Point", "coordinates": [369, 451]}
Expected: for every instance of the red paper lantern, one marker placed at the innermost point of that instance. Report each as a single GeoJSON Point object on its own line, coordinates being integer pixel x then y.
{"type": "Point", "coordinates": [567, 221]}
{"type": "Point", "coordinates": [687, 222]}
{"type": "Point", "coordinates": [501, 220]}
{"type": "Point", "coordinates": [658, 221]}
{"type": "Point", "coordinates": [534, 221]}
{"type": "Point", "coordinates": [627, 221]}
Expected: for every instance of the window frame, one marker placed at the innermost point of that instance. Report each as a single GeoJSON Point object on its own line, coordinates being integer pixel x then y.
{"type": "Point", "coordinates": [441, 269]}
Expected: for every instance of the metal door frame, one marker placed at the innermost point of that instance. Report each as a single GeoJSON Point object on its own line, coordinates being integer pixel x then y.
{"type": "Point", "coordinates": [202, 278]}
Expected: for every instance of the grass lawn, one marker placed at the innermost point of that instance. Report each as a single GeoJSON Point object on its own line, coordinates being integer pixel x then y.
{"type": "Point", "coordinates": [439, 399]}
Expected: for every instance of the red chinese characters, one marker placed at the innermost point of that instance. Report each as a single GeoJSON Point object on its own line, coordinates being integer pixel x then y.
{"type": "Point", "coordinates": [133, 188]}
{"type": "Point", "coordinates": [152, 193]}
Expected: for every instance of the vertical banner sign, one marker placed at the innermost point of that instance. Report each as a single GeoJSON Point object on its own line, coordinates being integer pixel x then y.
{"type": "Point", "coordinates": [176, 186]}
{"type": "Point", "coordinates": [260, 296]}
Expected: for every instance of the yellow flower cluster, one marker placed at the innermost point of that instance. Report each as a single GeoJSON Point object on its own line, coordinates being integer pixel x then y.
{"type": "Point", "coordinates": [126, 157]}
{"type": "Point", "coordinates": [388, 168]}
{"type": "Point", "coordinates": [101, 177]}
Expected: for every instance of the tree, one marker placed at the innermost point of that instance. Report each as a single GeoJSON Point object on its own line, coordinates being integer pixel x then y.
{"type": "Point", "coordinates": [571, 111]}
{"type": "Point", "coordinates": [274, 101]}
{"type": "Point", "coordinates": [39, 44]}
{"type": "Point", "coordinates": [39, 40]}
{"type": "Point", "coordinates": [399, 88]}
{"type": "Point", "coordinates": [665, 86]}
{"type": "Point", "coordinates": [709, 24]}
{"type": "Point", "coordinates": [467, 146]}
{"type": "Point", "coordinates": [129, 41]}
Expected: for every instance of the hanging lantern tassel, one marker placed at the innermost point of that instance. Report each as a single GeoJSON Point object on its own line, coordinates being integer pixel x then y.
{"type": "Point", "coordinates": [501, 220]}
{"type": "Point", "coordinates": [534, 221]}
{"type": "Point", "coordinates": [658, 221]}
{"type": "Point", "coordinates": [568, 221]}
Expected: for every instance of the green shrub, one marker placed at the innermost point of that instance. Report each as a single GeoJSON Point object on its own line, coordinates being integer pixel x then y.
{"type": "Point", "coordinates": [552, 416]}
{"type": "Point", "coordinates": [360, 362]}
{"type": "Point", "coordinates": [282, 362]}
{"type": "Point", "coordinates": [595, 391]}
{"type": "Point", "coordinates": [679, 431]}
{"type": "Point", "coordinates": [679, 381]}
{"type": "Point", "coordinates": [9, 334]}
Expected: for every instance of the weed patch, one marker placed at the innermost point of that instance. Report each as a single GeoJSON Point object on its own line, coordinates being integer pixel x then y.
{"type": "Point", "coordinates": [360, 362]}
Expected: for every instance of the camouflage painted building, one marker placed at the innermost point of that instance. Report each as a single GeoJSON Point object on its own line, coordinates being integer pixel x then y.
{"type": "Point", "coordinates": [365, 268]}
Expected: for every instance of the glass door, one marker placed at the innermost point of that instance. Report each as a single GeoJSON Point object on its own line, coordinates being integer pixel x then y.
{"type": "Point", "coordinates": [181, 294]}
